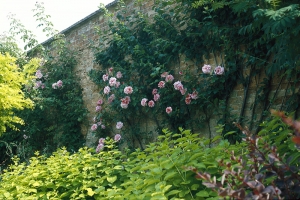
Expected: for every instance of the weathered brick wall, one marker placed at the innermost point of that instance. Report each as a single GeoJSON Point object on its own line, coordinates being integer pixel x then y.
{"type": "Point", "coordinates": [82, 34]}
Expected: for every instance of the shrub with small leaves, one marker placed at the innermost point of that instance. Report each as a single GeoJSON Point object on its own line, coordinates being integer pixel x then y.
{"type": "Point", "coordinates": [264, 171]}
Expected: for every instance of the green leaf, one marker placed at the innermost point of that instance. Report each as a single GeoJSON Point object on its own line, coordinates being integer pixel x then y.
{"type": "Point", "coordinates": [170, 175]}
{"type": "Point", "coordinates": [90, 191]}
{"type": "Point", "coordinates": [202, 193]}
{"type": "Point", "coordinates": [230, 133]}
{"type": "Point", "coordinates": [111, 179]}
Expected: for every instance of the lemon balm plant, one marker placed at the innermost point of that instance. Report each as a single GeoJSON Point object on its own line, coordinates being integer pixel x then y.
{"type": "Point", "coordinates": [161, 171]}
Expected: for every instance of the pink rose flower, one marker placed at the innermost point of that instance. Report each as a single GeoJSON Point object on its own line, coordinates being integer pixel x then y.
{"type": "Point", "coordinates": [112, 81]}
{"type": "Point", "coordinates": [154, 91]}
{"type": "Point", "coordinates": [169, 78]}
{"type": "Point", "coordinates": [124, 105]}
{"type": "Point", "coordinates": [119, 74]}
{"type": "Point", "coordinates": [125, 101]}
{"type": "Point", "coordinates": [38, 74]}
{"type": "Point", "coordinates": [219, 70]}
{"type": "Point", "coordinates": [94, 127]}
{"type": "Point", "coordinates": [183, 91]}
{"type": "Point", "coordinates": [156, 97]}
{"type": "Point", "coordinates": [99, 147]}
{"type": "Point", "coordinates": [119, 125]}
{"type": "Point", "coordinates": [117, 137]}
{"type": "Point", "coordinates": [151, 103]}
{"type": "Point", "coordinates": [188, 99]}
{"type": "Point", "coordinates": [128, 90]}
{"type": "Point", "coordinates": [161, 84]}
{"type": "Point", "coordinates": [165, 74]}
{"type": "Point", "coordinates": [111, 98]}
{"type": "Point", "coordinates": [117, 84]}
{"type": "Point", "coordinates": [106, 90]}
{"type": "Point", "coordinates": [37, 84]}
{"type": "Point", "coordinates": [105, 77]}
{"type": "Point", "coordinates": [100, 102]}
{"type": "Point", "coordinates": [103, 126]}
{"type": "Point", "coordinates": [194, 95]}
{"type": "Point", "coordinates": [59, 83]}
{"type": "Point", "coordinates": [206, 69]}
{"type": "Point", "coordinates": [110, 69]}
{"type": "Point", "coordinates": [144, 102]}
{"type": "Point", "coordinates": [99, 123]}
{"type": "Point", "coordinates": [178, 85]}
{"type": "Point", "coordinates": [101, 140]}
{"type": "Point", "coordinates": [54, 85]}
{"type": "Point", "coordinates": [98, 108]}
{"type": "Point", "coordinates": [168, 110]}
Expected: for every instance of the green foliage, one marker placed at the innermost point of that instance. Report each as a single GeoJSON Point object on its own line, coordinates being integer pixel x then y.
{"type": "Point", "coordinates": [161, 171]}
{"type": "Point", "coordinates": [55, 119]}
{"type": "Point", "coordinates": [12, 98]}
{"type": "Point", "coordinates": [268, 167]}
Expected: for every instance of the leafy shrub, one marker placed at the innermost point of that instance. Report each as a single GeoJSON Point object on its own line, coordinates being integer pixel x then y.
{"type": "Point", "coordinates": [268, 170]}
{"type": "Point", "coordinates": [161, 171]}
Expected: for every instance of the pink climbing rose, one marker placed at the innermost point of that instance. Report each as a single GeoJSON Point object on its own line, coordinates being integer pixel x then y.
{"type": "Point", "coordinates": [128, 90]}
{"type": "Point", "coordinates": [38, 74]}
{"type": "Point", "coordinates": [161, 84]}
{"type": "Point", "coordinates": [59, 83]}
{"type": "Point", "coordinates": [117, 137]}
{"type": "Point", "coordinates": [119, 125]}
{"type": "Point", "coordinates": [98, 108]}
{"type": "Point", "coordinates": [206, 69]}
{"type": "Point", "coordinates": [154, 91]}
{"type": "Point", "coordinates": [156, 97]}
{"type": "Point", "coordinates": [165, 74]}
{"type": "Point", "coordinates": [194, 95]}
{"type": "Point", "coordinates": [100, 102]}
{"type": "Point", "coordinates": [101, 140]}
{"type": "Point", "coordinates": [99, 147]}
{"type": "Point", "coordinates": [111, 98]}
{"type": "Point", "coordinates": [144, 102]}
{"type": "Point", "coordinates": [94, 127]}
{"type": "Point", "coordinates": [169, 78]}
{"type": "Point", "coordinates": [183, 91]}
{"type": "Point", "coordinates": [112, 81]}
{"type": "Point", "coordinates": [168, 110]}
{"type": "Point", "coordinates": [219, 70]}
{"type": "Point", "coordinates": [178, 85]}
{"type": "Point", "coordinates": [119, 74]}
{"type": "Point", "coordinates": [124, 105]}
{"type": "Point", "coordinates": [54, 85]}
{"type": "Point", "coordinates": [188, 99]}
{"type": "Point", "coordinates": [105, 77]}
{"type": "Point", "coordinates": [106, 90]}
{"type": "Point", "coordinates": [151, 103]}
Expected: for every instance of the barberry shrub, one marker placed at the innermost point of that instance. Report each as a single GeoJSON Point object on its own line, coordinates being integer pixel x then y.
{"type": "Point", "coordinates": [269, 169]}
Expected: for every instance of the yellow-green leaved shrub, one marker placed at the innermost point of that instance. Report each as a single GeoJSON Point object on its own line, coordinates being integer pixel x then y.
{"type": "Point", "coordinates": [161, 171]}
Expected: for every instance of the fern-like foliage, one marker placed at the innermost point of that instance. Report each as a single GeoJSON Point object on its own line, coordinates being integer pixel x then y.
{"type": "Point", "coordinates": [215, 5]}
{"type": "Point", "coordinates": [274, 3]}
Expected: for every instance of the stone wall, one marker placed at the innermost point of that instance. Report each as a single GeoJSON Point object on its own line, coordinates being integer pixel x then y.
{"type": "Point", "coordinates": [84, 33]}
